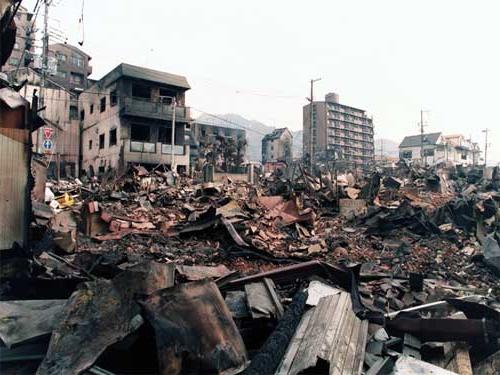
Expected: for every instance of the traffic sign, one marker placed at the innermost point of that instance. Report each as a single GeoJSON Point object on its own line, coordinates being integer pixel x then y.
{"type": "Point", "coordinates": [48, 133]}
{"type": "Point", "coordinates": [48, 144]}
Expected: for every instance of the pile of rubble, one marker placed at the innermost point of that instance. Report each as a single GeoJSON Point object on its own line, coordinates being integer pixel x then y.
{"type": "Point", "coordinates": [149, 272]}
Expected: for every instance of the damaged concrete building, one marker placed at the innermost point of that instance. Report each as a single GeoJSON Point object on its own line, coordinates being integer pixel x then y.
{"type": "Point", "coordinates": [126, 117]}
{"type": "Point", "coordinates": [59, 139]}
{"type": "Point", "coordinates": [204, 138]}
{"type": "Point", "coordinates": [24, 47]}
{"type": "Point", "coordinates": [277, 146]}
{"type": "Point", "coordinates": [73, 66]}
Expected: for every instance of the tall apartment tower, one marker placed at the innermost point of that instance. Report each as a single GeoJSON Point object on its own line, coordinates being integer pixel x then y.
{"type": "Point", "coordinates": [339, 132]}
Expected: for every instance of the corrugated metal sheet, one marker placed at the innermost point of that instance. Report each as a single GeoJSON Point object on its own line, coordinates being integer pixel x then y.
{"type": "Point", "coordinates": [13, 185]}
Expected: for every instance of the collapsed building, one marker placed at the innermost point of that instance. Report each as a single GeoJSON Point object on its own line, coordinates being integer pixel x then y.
{"type": "Point", "coordinates": [394, 272]}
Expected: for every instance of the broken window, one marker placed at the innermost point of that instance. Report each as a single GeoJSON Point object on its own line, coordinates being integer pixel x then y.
{"type": "Point", "coordinates": [76, 78]}
{"type": "Point", "coordinates": [140, 133]}
{"type": "Point", "coordinates": [406, 155]}
{"type": "Point", "coordinates": [113, 99]}
{"type": "Point", "coordinates": [464, 156]}
{"type": "Point", "coordinates": [112, 137]}
{"type": "Point", "coordinates": [102, 138]}
{"type": "Point", "coordinates": [103, 104]}
{"type": "Point", "coordinates": [141, 91]}
{"type": "Point", "coordinates": [90, 144]}
{"type": "Point", "coordinates": [73, 112]}
{"type": "Point", "coordinates": [166, 96]}
{"type": "Point", "coordinates": [165, 135]}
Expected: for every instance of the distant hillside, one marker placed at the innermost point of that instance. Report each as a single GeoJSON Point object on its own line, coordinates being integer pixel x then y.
{"type": "Point", "coordinates": [387, 146]}
{"type": "Point", "coordinates": [255, 131]}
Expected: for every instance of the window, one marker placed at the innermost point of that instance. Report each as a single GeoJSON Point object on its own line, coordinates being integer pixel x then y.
{"type": "Point", "coordinates": [82, 115]}
{"type": "Point", "coordinates": [166, 96]}
{"type": "Point", "coordinates": [91, 108]}
{"type": "Point", "coordinates": [114, 98]}
{"type": "Point", "coordinates": [464, 156]}
{"type": "Point", "coordinates": [112, 137]}
{"type": "Point", "coordinates": [61, 57]}
{"type": "Point", "coordinates": [103, 104]}
{"type": "Point", "coordinates": [140, 133]}
{"type": "Point", "coordinates": [76, 78]}
{"type": "Point", "coordinates": [140, 139]}
{"type": "Point", "coordinates": [406, 154]}
{"type": "Point", "coordinates": [73, 112]}
{"type": "Point", "coordinates": [61, 74]}
{"type": "Point", "coordinates": [165, 135]}
{"type": "Point", "coordinates": [102, 139]}
{"type": "Point", "coordinates": [141, 91]}
{"type": "Point", "coordinates": [77, 61]}
{"type": "Point", "coordinates": [429, 152]}
{"type": "Point", "coordinates": [90, 144]}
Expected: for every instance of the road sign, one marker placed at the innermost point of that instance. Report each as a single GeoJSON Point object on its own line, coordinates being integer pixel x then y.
{"type": "Point", "coordinates": [48, 133]}
{"type": "Point", "coordinates": [48, 144]}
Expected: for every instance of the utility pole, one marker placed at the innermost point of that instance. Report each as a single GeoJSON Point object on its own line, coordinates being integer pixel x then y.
{"type": "Point", "coordinates": [422, 137]}
{"type": "Point", "coordinates": [45, 64]}
{"type": "Point", "coordinates": [311, 109]}
{"type": "Point", "coordinates": [486, 131]}
{"type": "Point", "coordinates": [172, 151]}
{"type": "Point", "coordinates": [45, 51]}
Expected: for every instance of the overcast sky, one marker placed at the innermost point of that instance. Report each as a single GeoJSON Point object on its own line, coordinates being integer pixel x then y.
{"type": "Point", "coordinates": [255, 58]}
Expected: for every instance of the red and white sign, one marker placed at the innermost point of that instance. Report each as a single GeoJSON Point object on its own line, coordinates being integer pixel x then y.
{"type": "Point", "coordinates": [48, 133]}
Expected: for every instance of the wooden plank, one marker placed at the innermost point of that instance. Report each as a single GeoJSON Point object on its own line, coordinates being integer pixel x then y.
{"type": "Point", "coordinates": [360, 350]}
{"type": "Point", "coordinates": [307, 354]}
{"type": "Point", "coordinates": [263, 301]}
{"type": "Point", "coordinates": [332, 334]}
{"type": "Point", "coordinates": [295, 343]}
{"type": "Point", "coordinates": [350, 357]}
{"type": "Point", "coordinates": [340, 352]}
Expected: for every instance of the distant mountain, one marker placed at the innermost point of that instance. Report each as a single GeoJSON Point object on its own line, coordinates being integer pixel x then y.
{"type": "Point", "coordinates": [255, 131]}
{"type": "Point", "coordinates": [387, 147]}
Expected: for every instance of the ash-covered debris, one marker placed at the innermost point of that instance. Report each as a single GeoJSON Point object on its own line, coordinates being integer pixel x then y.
{"type": "Point", "coordinates": [152, 273]}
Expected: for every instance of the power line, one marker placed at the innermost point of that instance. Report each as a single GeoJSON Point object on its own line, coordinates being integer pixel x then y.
{"type": "Point", "coordinates": [152, 101]}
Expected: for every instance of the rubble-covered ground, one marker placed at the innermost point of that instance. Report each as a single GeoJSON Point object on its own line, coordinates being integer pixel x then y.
{"type": "Point", "coordinates": [155, 273]}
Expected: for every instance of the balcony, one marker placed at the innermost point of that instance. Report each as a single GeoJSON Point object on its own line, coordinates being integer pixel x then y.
{"type": "Point", "coordinates": [146, 108]}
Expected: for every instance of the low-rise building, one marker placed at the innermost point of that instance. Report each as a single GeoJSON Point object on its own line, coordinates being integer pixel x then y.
{"type": "Point", "coordinates": [126, 117]}
{"type": "Point", "coordinates": [59, 139]}
{"type": "Point", "coordinates": [73, 66]}
{"type": "Point", "coordinates": [277, 146]}
{"type": "Point", "coordinates": [24, 47]}
{"type": "Point", "coordinates": [224, 146]}
{"type": "Point", "coordinates": [438, 148]}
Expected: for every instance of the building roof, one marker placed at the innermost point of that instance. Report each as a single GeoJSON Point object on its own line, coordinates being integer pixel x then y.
{"type": "Point", "coordinates": [71, 48]}
{"type": "Point", "coordinates": [415, 140]}
{"type": "Point", "coordinates": [132, 71]}
{"type": "Point", "coordinates": [277, 133]}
